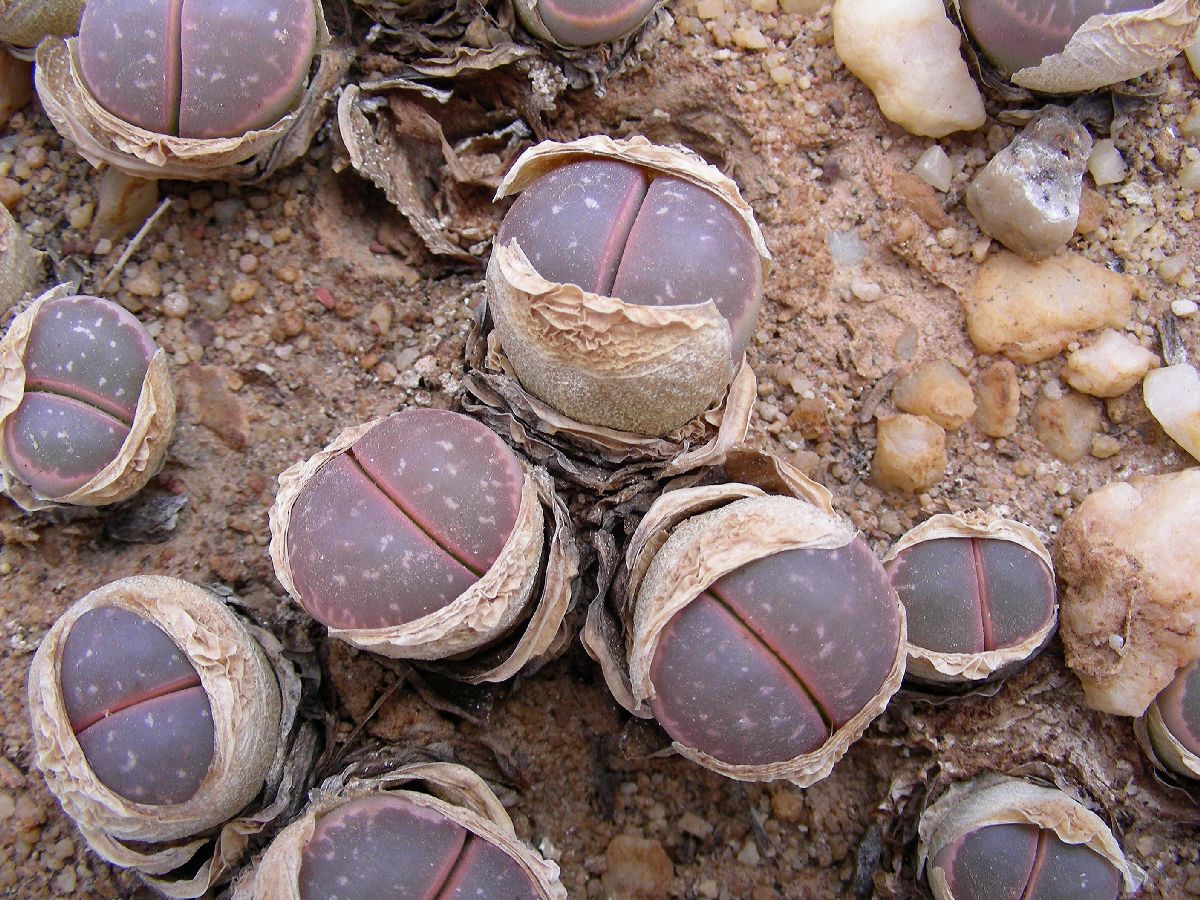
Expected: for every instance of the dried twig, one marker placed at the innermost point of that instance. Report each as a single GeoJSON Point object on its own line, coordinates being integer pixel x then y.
{"type": "Point", "coordinates": [149, 224]}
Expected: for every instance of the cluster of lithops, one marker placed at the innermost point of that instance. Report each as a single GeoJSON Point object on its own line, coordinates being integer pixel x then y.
{"type": "Point", "coordinates": [582, 23]}
{"type": "Point", "coordinates": [422, 536]}
{"type": "Point", "coordinates": [159, 717]}
{"type": "Point", "coordinates": [625, 282]}
{"type": "Point", "coordinates": [188, 88]}
{"type": "Point", "coordinates": [999, 837]}
{"type": "Point", "coordinates": [86, 405]}
{"type": "Point", "coordinates": [979, 596]}
{"type": "Point", "coordinates": [759, 630]}
{"type": "Point", "coordinates": [426, 830]}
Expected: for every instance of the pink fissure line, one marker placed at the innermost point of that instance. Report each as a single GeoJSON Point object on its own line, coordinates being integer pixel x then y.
{"type": "Point", "coordinates": [173, 687]}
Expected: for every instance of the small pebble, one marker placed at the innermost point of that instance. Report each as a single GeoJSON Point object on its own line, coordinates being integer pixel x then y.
{"type": "Point", "coordinates": [934, 169]}
{"type": "Point", "coordinates": [243, 291]}
{"type": "Point", "coordinates": [248, 263]}
{"type": "Point", "coordinates": [1185, 309]}
{"type": "Point", "coordinates": [1068, 425]}
{"type": "Point", "coordinates": [910, 453]}
{"type": "Point", "coordinates": [176, 305]}
{"type": "Point", "coordinates": [1106, 163]}
{"type": "Point", "coordinates": [1105, 446]}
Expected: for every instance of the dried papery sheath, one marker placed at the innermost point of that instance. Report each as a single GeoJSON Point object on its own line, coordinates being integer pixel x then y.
{"type": "Point", "coordinates": [752, 624]}
{"type": "Point", "coordinates": [1076, 46]}
{"type": "Point", "coordinates": [1003, 837]}
{"type": "Point", "coordinates": [1169, 732]}
{"type": "Point", "coordinates": [167, 727]}
{"type": "Point", "coordinates": [600, 459]}
{"type": "Point", "coordinates": [86, 404]}
{"type": "Point", "coordinates": [424, 830]}
{"type": "Point", "coordinates": [625, 282]}
{"type": "Point", "coordinates": [23, 23]}
{"type": "Point", "coordinates": [979, 595]}
{"type": "Point", "coordinates": [422, 536]}
{"type": "Point", "coordinates": [20, 264]}
{"type": "Point", "coordinates": [153, 120]}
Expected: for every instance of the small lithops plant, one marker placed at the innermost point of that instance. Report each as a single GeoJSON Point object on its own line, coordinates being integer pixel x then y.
{"type": "Point", "coordinates": [582, 23]}
{"type": "Point", "coordinates": [998, 837]}
{"type": "Point", "coordinates": [422, 536]}
{"type": "Point", "coordinates": [23, 23]}
{"type": "Point", "coordinates": [979, 593]}
{"type": "Point", "coordinates": [159, 717]}
{"type": "Point", "coordinates": [424, 830]}
{"type": "Point", "coordinates": [625, 282]}
{"type": "Point", "coordinates": [187, 88]}
{"type": "Point", "coordinates": [1074, 46]}
{"type": "Point", "coordinates": [1170, 730]}
{"type": "Point", "coordinates": [87, 409]}
{"type": "Point", "coordinates": [760, 630]}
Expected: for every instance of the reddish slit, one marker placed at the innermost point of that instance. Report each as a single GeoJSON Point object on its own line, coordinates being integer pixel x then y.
{"type": "Point", "coordinates": [174, 687]}
{"type": "Point", "coordinates": [981, 585]}
{"type": "Point", "coordinates": [618, 236]}
{"type": "Point", "coordinates": [383, 488]}
{"type": "Point", "coordinates": [1038, 859]}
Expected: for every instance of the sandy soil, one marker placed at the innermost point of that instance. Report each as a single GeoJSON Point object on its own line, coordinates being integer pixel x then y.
{"type": "Point", "coordinates": [342, 294]}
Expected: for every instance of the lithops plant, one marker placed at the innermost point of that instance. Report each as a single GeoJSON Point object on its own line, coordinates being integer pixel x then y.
{"type": "Point", "coordinates": [1170, 730]}
{"type": "Point", "coordinates": [86, 405]}
{"type": "Point", "coordinates": [1075, 46]}
{"type": "Point", "coordinates": [582, 23]}
{"type": "Point", "coordinates": [159, 717]}
{"type": "Point", "coordinates": [422, 536]}
{"type": "Point", "coordinates": [979, 595]}
{"type": "Point", "coordinates": [24, 23]}
{"type": "Point", "coordinates": [189, 88]}
{"type": "Point", "coordinates": [425, 830]}
{"type": "Point", "coordinates": [998, 837]}
{"type": "Point", "coordinates": [759, 630]}
{"type": "Point", "coordinates": [625, 282]}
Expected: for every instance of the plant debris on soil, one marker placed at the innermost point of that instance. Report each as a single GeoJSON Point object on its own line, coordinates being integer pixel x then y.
{"type": "Point", "coordinates": [308, 303]}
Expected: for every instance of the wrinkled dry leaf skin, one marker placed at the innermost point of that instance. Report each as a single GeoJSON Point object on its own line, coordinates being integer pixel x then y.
{"type": "Point", "coordinates": [23, 23]}
{"type": "Point", "coordinates": [276, 125]}
{"type": "Point", "coordinates": [86, 405]}
{"type": "Point", "coordinates": [20, 264]}
{"type": "Point", "coordinates": [200, 68]}
{"type": "Point", "coordinates": [607, 317]}
{"type": "Point", "coordinates": [582, 23]}
{"type": "Point", "coordinates": [234, 676]}
{"type": "Point", "coordinates": [420, 536]}
{"type": "Point", "coordinates": [979, 595]}
{"type": "Point", "coordinates": [998, 837]}
{"type": "Point", "coordinates": [1078, 46]}
{"type": "Point", "coordinates": [1170, 730]}
{"type": "Point", "coordinates": [765, 636]}
{"type": "Point", "coordinates": [1130, 613]}
{"type": "Point", "coordinates": [423, 831]}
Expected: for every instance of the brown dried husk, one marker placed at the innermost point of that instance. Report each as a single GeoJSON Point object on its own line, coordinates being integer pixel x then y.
{"type": "Point", "coordinates": [600, 360]}
{"type": "Point", "coordinates": [141, 455]}
{"type": "Point", "coordinates": [954, 668]}
{"type": "Point", "coordinates": [529, 586]}
{"type": "Point", "coordinates": [23, 23]}
{"type": "Point", "coordinates": [20, 264]}
{"type": "Point", "coordinates": [594, 457]}
{"type": "Point", "coordinates": [999, 800]}
{"type": "Point", "coordinates": [261, 765]}
{"type": "Point", "coordinates": [690, 538]}
{"type": "Point", "coordinates": [103, 138]}
{"type": "Point", "coordinates": [1106, 50]}
{"type": "Point", "coordinates": [449, 789]}
{"type": "Point", "coordinates": [1162, 747]}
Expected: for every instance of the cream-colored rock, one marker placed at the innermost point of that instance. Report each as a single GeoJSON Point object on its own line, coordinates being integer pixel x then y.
{"type": "Point", "coordinates": [910, 453]}
{"type": "Point", "coordinates": [1131, 609]}
{"type": "Point", "coordinates": [938, 391]}
{"type": "Point", "coordinates": [1172, 395]}
{"type": "Point", "coordinates": [935, 169]}
{"type": "Point", "coordinates": [998, 399]}
{"type": "Point", "coordinates": [907, 53]}
{"type": "Point", "coordinates": [1030, 311]}
{"type": "Point", "coordinates": [1027, 197]}
{"type": "Point", "coordinates": [1109, 367]}
{"type": "Point", "coordinates": [1106, 163]}
{"type": "Point", "coordinates": [1067, 425]}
